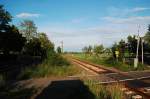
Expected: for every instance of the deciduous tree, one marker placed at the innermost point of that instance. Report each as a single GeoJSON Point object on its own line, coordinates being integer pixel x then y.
{"type": "Point", "coordinates": [28, 29]}
{"type": "Point", "coordinates": [10, 38]}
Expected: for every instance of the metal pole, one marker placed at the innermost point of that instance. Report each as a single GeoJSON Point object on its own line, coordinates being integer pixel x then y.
{"type": "Point", "coordinates": [142, 41]}
{"type": "Point", "coordinates": [137, 50]}
{"type": "Point", "coordinates": [62, 46]}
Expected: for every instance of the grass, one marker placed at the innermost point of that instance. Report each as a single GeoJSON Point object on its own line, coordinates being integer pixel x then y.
{"type": "Point", "coordinates": [55, 65]}
{"type": "Point", "coordinates": [11, 92]}
{"type": "Point", "coordinates": [105, 92]}
{"type": "Point", "coordinates": [2, 80]}
{"type": "Point", "coordinates": [44, 70]}
{"type": "Point", "coordinates": [107, 60]}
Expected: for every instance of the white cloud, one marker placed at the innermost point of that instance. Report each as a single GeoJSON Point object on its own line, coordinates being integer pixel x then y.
{"type": "Point", "coordinates": [122, 12]}
{"type": "Point", "coordinates": [78, 20]}
{"type": "Point", "coordinates": [138, 9]}
{"type": "Point", "coordinates": [26, 15]}
{"type": "Point", "coordinates": [76, 39]}
{"type": "Point", "coordinates": [111, 29]}
{"type": "Point", "coordinates": [128, 20]}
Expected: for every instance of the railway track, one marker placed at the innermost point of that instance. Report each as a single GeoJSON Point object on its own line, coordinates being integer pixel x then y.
{"type": "Point", "coordinates": [131, 80]}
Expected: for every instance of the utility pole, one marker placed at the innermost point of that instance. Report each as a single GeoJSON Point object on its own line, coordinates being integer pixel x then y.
{"type": "Point", "coordinates": [62, 46]}
{"type": "Point", "coordinates": [142, 41]}
{"type": "Point", "coordinates": [137, 50]}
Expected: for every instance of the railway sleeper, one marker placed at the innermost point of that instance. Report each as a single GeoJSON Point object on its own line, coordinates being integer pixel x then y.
{"type": "Point", "coordinates": [128, 94]}
{"type": "Point", "coordinates": [147, 90]}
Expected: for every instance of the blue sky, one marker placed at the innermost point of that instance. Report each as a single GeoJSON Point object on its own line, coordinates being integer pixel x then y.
{"type": "Point", "coordinates": [82, 22]}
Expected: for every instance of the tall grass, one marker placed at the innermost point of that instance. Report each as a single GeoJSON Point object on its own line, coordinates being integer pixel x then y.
{"type": "Point", "coordinates": [105, 92]}
{"type": "Point", "coordinates": [54, 65]}
{"type": "Point", "coordinates": [2, 80]}
{"type": "Point", "coordinates": [110, 62]}
{"type": "Point", "coordinates": [44, 70]}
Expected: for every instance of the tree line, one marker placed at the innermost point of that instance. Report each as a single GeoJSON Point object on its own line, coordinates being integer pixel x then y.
{"type": "Point", "coordinates": [23, 39]}
{"type": "Point", "coordinates": [97, 50]}
{"type": "Point", "coordinates": [125, 48]}
{"type": "Point", "coordinates": [128, 49]}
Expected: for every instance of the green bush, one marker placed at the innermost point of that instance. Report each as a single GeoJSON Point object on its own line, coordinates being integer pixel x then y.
{"type": "Point", "coordinates": [44, 70]}
{"type": "Point", "coordinates": [55, 59]}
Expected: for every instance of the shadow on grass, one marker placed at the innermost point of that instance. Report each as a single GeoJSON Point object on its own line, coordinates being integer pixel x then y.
{"type": "Point", "coordinates": [10, 67]}
{"type": "Point", "coordinates": [13, 92]}
{"type": "Point", "coordinates": [66, 89]}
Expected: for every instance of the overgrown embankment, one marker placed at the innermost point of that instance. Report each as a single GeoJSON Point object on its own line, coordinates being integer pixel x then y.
{"type": "Point", "coordinates": [109, 61]}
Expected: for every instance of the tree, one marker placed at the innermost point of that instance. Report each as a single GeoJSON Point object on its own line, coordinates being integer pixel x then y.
{"type": "Point", "coordinates": [147, 40]}
{"type": "Point", "coordinates": [114, 48]}
{"type": "Point", "coordinates": [5, 18]}
{"type": "Point", "coordinates": [33, 47]}
{"type": "Point", "coordinates": [107, 51]}
{"type": "Point", "coordinates": [98, 49]}
{"type": "Point", "coordinates": [45, 42]}
{"type": "Point", "coordinates": [147, 36]}
{"type": "Point", "coordinates": [122, 46]}
{"type": "Point", "coordinates": [39, 46]}
{"type": "Point", "coordinates": [28, 29]}
{"type": "Point", "coordinates": [89, 49]}
{"type": "Point", "coordinates": [10, 38]}
{"type": "Point", "coordinates": [85, 50]}
{"type": "Point", "coordinates": [59, 50]}
{"type": "Point", "coordinates": [132, 44]}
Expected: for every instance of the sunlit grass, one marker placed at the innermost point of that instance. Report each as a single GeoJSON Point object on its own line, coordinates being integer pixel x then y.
{"type": "Point", "coordinates": [105, 92]}
{"type": "Point", "coordinates": [110, 62]}
{"type": "Point", "coordinates": [44, 70]}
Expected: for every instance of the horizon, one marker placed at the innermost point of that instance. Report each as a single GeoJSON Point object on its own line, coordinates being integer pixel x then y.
{"type": "Point", "coordinates": [78, 23]}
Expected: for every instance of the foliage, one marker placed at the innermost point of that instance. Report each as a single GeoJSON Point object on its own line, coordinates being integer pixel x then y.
{"type": "Point", "coordinates": [98, 49]}
{"type": "Point", "coordinates": [33, 47]}
{"type": "Point", "coordinates": [46, 70]}
{"type": "Point", "coordinates": [56, 59]}
{"type": "Point", "coordinates": [10, 38]}
{"type": "Point", "coordinates": [147, 35]}
{"type": "Point", "coordinates": [85, 49]}
{"type": "Point", "coordinates": [147, 41]}
{"type": "Point", "coordinates": [132, 44]}
{"type": "Point", "coordinates": [128, 49]}
{"type": "Point", "coordinates": [28, 29]}
{"type": "Point", "coordinates": [59, 50]}
{"type": "Point", "coordinates": [37, 44]}
{"type": "Point", "coordinates": [5, 17]}
{"type": "Point", "coordinates": [46, 44]}
{"type": "Point", "coordinates": [109, 61]}
{"type": "Point", "coordinates": [122, 46]}
{"type": "Point", "coordinates": [90, 49]}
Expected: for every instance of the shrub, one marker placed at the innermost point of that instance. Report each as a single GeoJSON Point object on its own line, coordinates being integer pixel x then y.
{"type": "Point", "coordinates": [2, 81]}
{"type": "Point", "coordinates": [55, 59]}
{"type": "Point", "coordinates": [44, 70]}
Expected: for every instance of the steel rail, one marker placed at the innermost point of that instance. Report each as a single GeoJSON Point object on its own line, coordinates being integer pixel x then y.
{"type": "Point", "coordinates": [139, 91]}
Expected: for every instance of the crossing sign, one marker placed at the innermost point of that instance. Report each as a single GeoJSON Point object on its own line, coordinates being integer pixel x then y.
{"type": "Point", "coordinates": [117, 53]}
